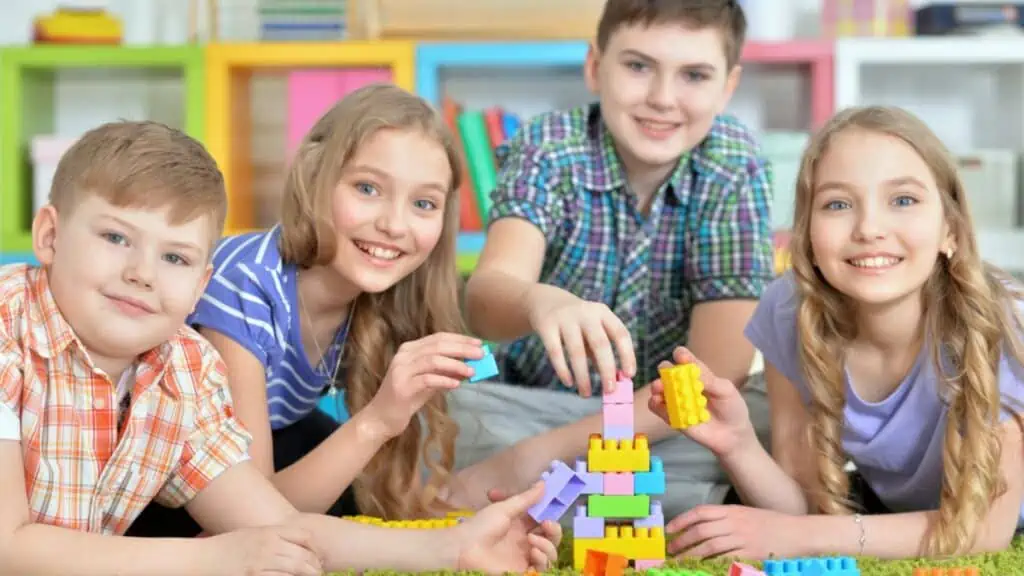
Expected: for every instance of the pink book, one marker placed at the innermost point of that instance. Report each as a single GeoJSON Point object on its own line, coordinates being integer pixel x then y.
{"type": "Point", "coordinates": [312, 92]}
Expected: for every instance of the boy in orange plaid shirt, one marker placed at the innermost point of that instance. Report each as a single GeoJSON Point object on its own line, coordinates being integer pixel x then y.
{"type": "Point", "coordinates": [108, 401]}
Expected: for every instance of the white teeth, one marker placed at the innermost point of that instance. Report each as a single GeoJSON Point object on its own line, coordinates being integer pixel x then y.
{"type": "Point", "coordinates": [875, 262]}
{"type": "Point", "coordinates": [657, 125]}
{"type": "Point", "coordinates": [378, 252]}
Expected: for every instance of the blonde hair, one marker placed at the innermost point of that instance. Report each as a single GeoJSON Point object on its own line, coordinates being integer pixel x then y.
{"type": "Point", "coordinates": [142, 164]}
{"type": "Point", "coordinates": [423, 303]}
{"type": "Point", "coordinates": [969, 314]}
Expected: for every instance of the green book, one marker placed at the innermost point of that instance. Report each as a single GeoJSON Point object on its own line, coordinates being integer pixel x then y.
{"type": "Point", "coordinates": [479, 158]}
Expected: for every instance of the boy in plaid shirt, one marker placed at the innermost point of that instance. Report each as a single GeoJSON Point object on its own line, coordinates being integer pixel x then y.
{"type": "Point", "coordinates": [620, 231]}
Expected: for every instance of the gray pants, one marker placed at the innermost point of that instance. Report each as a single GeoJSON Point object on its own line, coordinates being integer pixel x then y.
{"type": "Point", "coordinates": [494, 416]}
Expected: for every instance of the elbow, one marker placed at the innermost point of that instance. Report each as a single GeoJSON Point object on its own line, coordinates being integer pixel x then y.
{"type": "Point", "coordinates": [476, 303]}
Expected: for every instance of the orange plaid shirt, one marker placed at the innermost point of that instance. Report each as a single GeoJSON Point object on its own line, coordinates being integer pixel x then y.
{"type": "Point", "coordinates": [179, 435]}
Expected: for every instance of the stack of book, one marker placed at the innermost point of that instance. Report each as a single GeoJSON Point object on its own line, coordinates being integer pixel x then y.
{"type": "Point", "coordinates": [302, 20]}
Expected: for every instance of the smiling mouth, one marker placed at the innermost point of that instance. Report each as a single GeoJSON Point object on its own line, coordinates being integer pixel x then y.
{"type": "Point", "coordinates": [130, 306]}
{"type": "Point", "coordinates": [875, 262]}
{"type": "Point", "coordinates": [378, 252]}
{"type": "Point", "coordinates": [657, 126]}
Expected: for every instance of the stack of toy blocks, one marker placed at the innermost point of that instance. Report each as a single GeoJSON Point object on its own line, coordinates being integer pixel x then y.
{"type": "Point", "coordinates": [619, 479]}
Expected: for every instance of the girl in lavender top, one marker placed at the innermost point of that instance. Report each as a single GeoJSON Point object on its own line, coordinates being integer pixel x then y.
{"type": "Point", "coordinates": [890, 345]}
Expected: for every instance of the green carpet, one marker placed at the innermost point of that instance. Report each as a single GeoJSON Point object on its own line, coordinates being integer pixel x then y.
{"type": "Point", "coordinates": [1007, 563]}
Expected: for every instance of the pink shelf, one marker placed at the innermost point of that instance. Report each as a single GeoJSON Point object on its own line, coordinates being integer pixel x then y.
{"type": "Point", "coordinates": [817, 56]}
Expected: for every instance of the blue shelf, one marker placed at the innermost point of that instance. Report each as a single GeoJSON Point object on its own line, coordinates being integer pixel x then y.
{"type": "Point", "coordinates": [431, 57]}
{"type": "Point", "coordinates": [470, 243]}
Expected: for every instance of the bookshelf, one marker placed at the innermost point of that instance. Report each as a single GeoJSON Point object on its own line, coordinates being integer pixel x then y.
{"type": "Point", "coordinates": [35, 80]}
{"type": "Point", "coordinates": [229, 70]}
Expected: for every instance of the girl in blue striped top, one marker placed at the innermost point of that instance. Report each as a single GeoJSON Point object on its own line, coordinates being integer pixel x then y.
{"type": "Point", "coordinates": [356, 287]}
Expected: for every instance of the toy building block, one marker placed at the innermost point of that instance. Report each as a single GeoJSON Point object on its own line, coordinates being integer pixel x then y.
{"type": "Point", "coordinates": [585, 526]}
{"type": "Point", "coordinates": [615, 506]}
{"type": "Point", "coordinates": [643, 564]}
{"type": "Point", "coordinates": [593, 481]}
{"type": "Point", "coordinates": [427, 524]}
{"type": "Point", "coordinates": [618, 483]}
{"type": "Point", "coordinates": [623, 393]}
{"type": "Point", "coordinates": [656, 519]}
{"type": "Point", "coordinates": [483, 368]}
{"type": "Point", "coordinates": [969, 571]}
{"type": "Point", "coordinates": [619, 455]}
{"type": "Point", "coordinates": [741, 569]}
{"type": "Point", "coordinates": [825, 566]}
{"type": "Point", "coordinates": [618, 421]}
{"type": "Point", "coordinates": [604, 564]}
{"type": "Point", "coordinates": [684, 396]}
{"type": "Point", "coordinates": [650, 482]}
{"type": "Point", "coordinates": [613, 432]}
{"type": "Point", "coordinates": [561, 488]}
{"type": "Point", "coordinates": [640, 543]}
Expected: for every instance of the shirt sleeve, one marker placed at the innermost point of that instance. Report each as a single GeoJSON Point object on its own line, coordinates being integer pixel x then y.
{"type": "Point", "coordinates": [527, 186]}
{"type": "Point", "coordinates": [237, 304]}
{"type": "Point", "coordinates": [218, 440]}
{"type": "Point", "coordinates": [10, 389]}
{"type": "Point", "coordinates": [773, 330]}
{"type": "Point", "coordinates": [731, 254]}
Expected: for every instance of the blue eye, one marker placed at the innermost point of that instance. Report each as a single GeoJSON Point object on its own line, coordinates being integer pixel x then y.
{"type": "Point", "coordinates": [176, 259]}
{"type": "Point", "coordinates": [426, 204]}
{"type": "Point", "coordinates": [114, 238]}
{"type": "Point", "coordinates": [636, 66]}
{"type": "Point", "coordinates": [836, 205]}
{"type": "Point", "coordinates": [905, 201]}
{"type": "Point", "coordinates": [694, 76]}
{"type": "Point", "coordinates": [365, 188]}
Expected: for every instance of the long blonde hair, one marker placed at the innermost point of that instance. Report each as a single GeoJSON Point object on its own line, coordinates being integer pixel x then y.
{"type": "Point", "coordinates": [969, 312]}
{"type": "Point", "coordinates": [420, 304]}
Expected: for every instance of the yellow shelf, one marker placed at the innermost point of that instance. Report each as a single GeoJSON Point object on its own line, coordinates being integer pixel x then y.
{"type": "Point", "coordinates": [228, 71]}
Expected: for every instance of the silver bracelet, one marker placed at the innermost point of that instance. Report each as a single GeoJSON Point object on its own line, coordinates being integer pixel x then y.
{"type": "Point", "coordinates": [863, 537]}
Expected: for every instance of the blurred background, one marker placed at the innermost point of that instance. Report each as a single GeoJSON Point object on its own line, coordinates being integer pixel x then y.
{"type": "Point", "coordinates": [249, 77]}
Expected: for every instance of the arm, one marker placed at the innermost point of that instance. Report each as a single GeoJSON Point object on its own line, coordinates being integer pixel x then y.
{"type": "Point", "coordinates": [716, 337]}
{"type": "Point", "coordinates": [318, 479]}
{"type": "Point", "coordinates": [903, 535]}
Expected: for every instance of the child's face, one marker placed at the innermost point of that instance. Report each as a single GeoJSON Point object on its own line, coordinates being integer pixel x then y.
{"type": "Point", "coordinates": [660, 88]}
{"type": "Point", "coordinates": [389, 208]}
{"type": "Point", "coordinates": [877, 224]}
{"type": "Point", "coordinates": [124, 278]}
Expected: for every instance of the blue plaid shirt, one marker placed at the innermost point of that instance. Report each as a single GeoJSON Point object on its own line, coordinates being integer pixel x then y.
{"type": "Point", "coordinates": [707, 235]}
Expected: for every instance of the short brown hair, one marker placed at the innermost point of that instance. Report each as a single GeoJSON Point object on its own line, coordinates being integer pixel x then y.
{"type": "Point", "coordinates": [725, 15]}
{"type": "Point", "coordinates": [142, 164]}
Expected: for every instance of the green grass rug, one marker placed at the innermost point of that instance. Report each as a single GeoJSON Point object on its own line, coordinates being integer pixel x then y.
{"type": "Point", "coordinates": [1007, 563]}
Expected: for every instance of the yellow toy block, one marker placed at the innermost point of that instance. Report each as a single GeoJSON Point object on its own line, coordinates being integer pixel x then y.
{"type": "Point", "coordinates": [428, 524]}
{"type": "Point", "coordinates": [684, 396]}
{"type": "Point", "coordinates": [633, 543]}
{"type": "Point", "coordinates": [618, 455]}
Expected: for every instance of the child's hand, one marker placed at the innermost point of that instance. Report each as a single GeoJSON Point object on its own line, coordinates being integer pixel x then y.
{"type": "Point", "coordinates": [504, 538]}
{"type": "Point", "coordinates": [729, 429]}
{"type": "Point", "coordinates": [573, 327]}
{"type": "Point", "coordinates": [266, 551]}
{"type": "Point", "coordinates": [419, 369]}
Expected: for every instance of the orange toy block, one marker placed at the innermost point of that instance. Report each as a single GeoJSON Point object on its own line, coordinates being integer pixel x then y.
{"type": "Point", "coordinates": [684, 396]}
{"type": "Point", "coordinates": [604, 564]}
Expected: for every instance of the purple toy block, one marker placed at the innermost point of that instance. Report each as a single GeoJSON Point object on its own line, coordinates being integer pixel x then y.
{"type": "Point", "coordinates": [655, 520]}
{"type": "Point", "coordinates": [618, 483]}
{"type": "Point", "coordinates": [618, 414]}
{"type": "Point", "coordinates": [561, 488]}
{"type": "Point", "coordinates": [611, 432]}
{"type": "Point", "coordinates": [593, 481]}
{"type": "Point", "coordinates": [647, 564]}
{"type": "Point", "coordinates": [623, 393]}
{"type": "Point", "coordinates": [584, 526]}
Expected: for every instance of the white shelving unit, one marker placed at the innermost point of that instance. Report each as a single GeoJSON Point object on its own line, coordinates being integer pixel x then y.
{"type": "Point", "coordinates": [969, 90]}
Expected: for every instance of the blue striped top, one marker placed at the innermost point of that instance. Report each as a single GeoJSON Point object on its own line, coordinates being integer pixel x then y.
{"type": "Point", "coordinates": [252, 298]}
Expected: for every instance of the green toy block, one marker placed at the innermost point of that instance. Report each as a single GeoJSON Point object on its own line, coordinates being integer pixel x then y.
{"type": "Point", "coordinates": [619, 505]}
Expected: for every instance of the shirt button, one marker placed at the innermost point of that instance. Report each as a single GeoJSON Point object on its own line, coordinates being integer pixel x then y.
{"type": "Point", "coordinates": [99, 404]}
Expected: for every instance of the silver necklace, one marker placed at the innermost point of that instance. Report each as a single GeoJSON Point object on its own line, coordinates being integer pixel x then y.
{"type": "Point", "coordinates": [320, 351]}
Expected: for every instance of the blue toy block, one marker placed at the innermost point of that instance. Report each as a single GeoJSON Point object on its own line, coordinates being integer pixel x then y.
{"type": "Point", "coordinates": [561, 488]}
{"type": "Point", "coordinates": [584, 526]}
{"type": "Point", "coordinates": [593, 481]}
{"type": "Point", "coordinates": [483, 368]}
{"type": "Point", "coordinates": [834, 566]}
{"type": "Point", "coordinates": [620, 432]}
{"type": "Point", "coordinates": [655, 520]}
{"type": "Point", "coordinates": [652, 481]}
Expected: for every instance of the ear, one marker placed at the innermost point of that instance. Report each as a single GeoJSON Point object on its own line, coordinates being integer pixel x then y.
{"type": "Point", "coordinates": [732, 80]}
{"type": "Point", "coordinates": [44, 234]}
{"type": "Point", "coordinates": [590, 67]}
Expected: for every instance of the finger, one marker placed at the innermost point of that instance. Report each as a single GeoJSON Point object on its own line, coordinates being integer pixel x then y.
{"type": "Point", "coordinates": [516, 506]}
{"type": "Point", "coordinates": [449, 338]}
{"type": "Point", "coordinates": [577, 352]}
{"type": "Point", "coordinates": [715, 547]}
{"type": "Point", "coordinates": [552, 340]}
{"type": "Point", "coordinates": [601, 351]}
{"type": "Point", "coordinates": [458, 349]}
{"type": "Point", "coordinates": [699, 533]}
{"type": "Point", "coordinates": [496, 495]}
{"type": "Point", "coordinates": [543, 552]}
{"type": "Point", "coordinates": [296, 535]}
{"type": "Point", "coordinates": [623, 341]}
{"type": "Point", "coordinates": [299, 562]}
{"type": "Point", "coordinates": [713, 385]}
{"type": "Point", "coordinates": [696, 515]}
{"type": "Point", "coordinates": [552, 531]}
{"type": "Point", "coordinates": [441, 366]}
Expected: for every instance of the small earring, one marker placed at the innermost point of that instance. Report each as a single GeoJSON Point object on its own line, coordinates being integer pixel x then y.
{"type": "Point", "coordinates": [949, 253]}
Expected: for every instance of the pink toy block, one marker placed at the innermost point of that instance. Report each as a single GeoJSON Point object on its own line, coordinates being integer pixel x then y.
{"type": "Point", "coordinates": [611, 432]}
{"type": "Point", "coordinates": [623, 393]}
{"type": "Point", "coordinates": [655, 520]}
{"type": "Point", "coordinates": [593, 482]}
{"type": "Point", "coordinates": [741, 569]}
{"type": "Point", "coordinates": [619, 483]}
{"type": "Point", "coordinates": [584, 526]}
{"type": "Point", "coordinates": [313, 92]}
{"type": "Point", "coordinates": [618, 414]}
{"type": "Point", "coordinates": [647, 564]}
